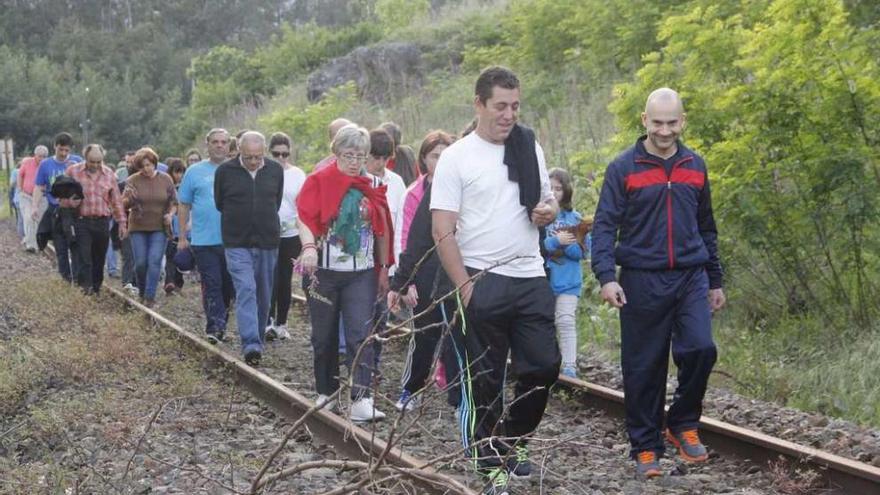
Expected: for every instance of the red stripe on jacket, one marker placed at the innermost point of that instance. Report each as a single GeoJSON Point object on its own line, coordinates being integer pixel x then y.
{"type": "Point", "coordinates": [657, 176]}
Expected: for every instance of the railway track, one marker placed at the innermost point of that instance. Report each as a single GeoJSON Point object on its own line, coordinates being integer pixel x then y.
{"type": "Point", "coordinates": [840, 475]}
{"type": "Point", "coordinates": [349, 439]}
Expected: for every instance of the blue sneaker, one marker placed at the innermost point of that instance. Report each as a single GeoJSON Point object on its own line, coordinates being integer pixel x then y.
{"type": "Point", "coordinates": [647, 464]}
{"type": "Point", "coordinates": [406, 401]}
{"type": "Point", "coordinates": [688, 444]}
{"type": "Point", "coordinates": [569, 371]}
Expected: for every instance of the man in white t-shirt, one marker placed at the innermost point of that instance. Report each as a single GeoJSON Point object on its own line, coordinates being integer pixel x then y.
{"type": "Point", "coordinates": [490, 194]}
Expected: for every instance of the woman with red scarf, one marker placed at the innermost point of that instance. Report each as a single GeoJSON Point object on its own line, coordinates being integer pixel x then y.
{"type": "Point", "coordinates": [345, 228]}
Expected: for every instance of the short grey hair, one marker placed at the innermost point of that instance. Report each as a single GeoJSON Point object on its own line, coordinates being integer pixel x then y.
{"type": "Point", "coordinates": [215, 131]}
{"type": "Point", "coordinates": [351, 137]}
{"type": "Point", "coordinates": [41, 150]}
{"type": "Point", "coordinates": [252, 137]}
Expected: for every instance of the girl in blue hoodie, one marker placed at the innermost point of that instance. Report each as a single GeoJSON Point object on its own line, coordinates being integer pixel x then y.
{"type": "Point", "coordinates": [564, 255]}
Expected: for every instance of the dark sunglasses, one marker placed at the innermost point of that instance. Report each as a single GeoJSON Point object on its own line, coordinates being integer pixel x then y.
{"type": "Point", "coordinates": [280, 154]}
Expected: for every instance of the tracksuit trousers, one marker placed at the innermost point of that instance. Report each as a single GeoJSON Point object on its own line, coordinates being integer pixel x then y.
{"type": "Point", "coordinates": [505, 314]}
{"type": "Point", "coordinates": [428, 334]}
{"type": "Point", "coordinates": [663, 308]}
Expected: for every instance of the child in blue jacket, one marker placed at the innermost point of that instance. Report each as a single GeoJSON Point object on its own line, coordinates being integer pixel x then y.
{"type": "Point", "coordinates": [564, 255]}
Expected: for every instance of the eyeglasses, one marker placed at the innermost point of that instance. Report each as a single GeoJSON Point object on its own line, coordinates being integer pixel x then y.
{"type": "Point", "coordinates": [353, 158]}
{"type": "Point", "coordinates": [280, 154]}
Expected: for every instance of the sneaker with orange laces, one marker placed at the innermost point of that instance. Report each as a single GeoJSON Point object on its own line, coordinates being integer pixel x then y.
{"type": "Point", "coordinates": [647, 464]}
{"type": "Point", "coordinates": [688, 444]}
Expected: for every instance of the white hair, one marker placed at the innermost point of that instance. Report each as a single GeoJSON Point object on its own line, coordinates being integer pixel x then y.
{"type": "Point", "coordinates": [252, 137]}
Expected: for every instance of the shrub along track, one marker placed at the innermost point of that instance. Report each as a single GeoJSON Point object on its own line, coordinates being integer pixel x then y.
{"type": "Point", "coordinates": [576, 450]}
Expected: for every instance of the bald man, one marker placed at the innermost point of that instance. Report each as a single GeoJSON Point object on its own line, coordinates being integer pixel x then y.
{"type": "Point", "coordinates": [654, 220]}
{"type": "Point", "coordinates": [332, 129]}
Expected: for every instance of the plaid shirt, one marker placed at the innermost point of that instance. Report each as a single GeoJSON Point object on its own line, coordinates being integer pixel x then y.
{"type": "Point", "coordinates": [101, 193]}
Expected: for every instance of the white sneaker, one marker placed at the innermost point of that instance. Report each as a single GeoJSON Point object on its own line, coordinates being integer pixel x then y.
{"type": "Point", "coordinates": [323, 399]}
{"type": "Point", "coordinates": [131, 289]}
{"type": "Point", "coordinates": [281, 332]}
{"type": "Point", "coordinates": [364, 410]}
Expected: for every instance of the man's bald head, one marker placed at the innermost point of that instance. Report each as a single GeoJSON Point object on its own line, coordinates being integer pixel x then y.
{"type": "Point", "coordinates": [664, 120]}
{"type": "Point", "coordinates": [337, 124]}
{"type": "Point", "coordinates": [665, 97]}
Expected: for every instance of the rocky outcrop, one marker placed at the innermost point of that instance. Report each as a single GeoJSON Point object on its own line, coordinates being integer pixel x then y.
{"type": "Point", "coordinates": [379, 71]}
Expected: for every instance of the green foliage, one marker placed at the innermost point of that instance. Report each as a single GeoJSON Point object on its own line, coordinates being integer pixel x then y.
{"type": "Point", "coordinates": [300, 49]}
{"type": "Point", "coordinates": [784, 104]}
{"type": "Point", "coordinates": [308, 126]}
{"type": "Point", "coordinates": [396, 14]}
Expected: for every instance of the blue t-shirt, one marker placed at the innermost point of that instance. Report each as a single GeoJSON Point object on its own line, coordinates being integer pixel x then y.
{"type": "Point", "coordinates": [49, 170]}
{"type": "Point", "coordinates": [197, 190]}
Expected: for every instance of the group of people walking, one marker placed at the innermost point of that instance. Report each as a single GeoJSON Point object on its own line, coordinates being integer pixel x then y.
{"type": "Point", "coordinates": [473, 233]}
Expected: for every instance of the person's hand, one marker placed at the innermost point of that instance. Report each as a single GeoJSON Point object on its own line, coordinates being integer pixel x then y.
{"type": "Point", "coordinates": [123, 232]}
{"type": "Point", "coordinates": [393, 301]}
{"type": "Point", "coordinates": [36, 215]}
{"type": "Point", "coordinates": [167, 218]}
{"type": "Point", "coordinates": [716, 299]}
{"type": "Point", "coordinates": [566, 238]}
{"type": "Point", "coordinates": [308, 260]}
{"type": "Point", "coordinates": [182, 243]}
{"type": "Point", "coordinates": [542, 214]}
{"type": "Point", "coordinates": [612, 293]}
{"type": "Point", "coordinates": [467, 290]}
{"type": "Point", "coordinates": [411, 298]}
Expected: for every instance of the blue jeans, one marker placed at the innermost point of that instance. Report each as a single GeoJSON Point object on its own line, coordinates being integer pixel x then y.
{"type": "Point", "coordinates": [217, 290]}
{"type": "Point", "coordinates": [148, 248]}
{"type": "Point", "coordinates": [352, 294]}
{"type": "Point", "coordinates": [111, 261]}
{"type": "Point", "coordinates": [252, 271]}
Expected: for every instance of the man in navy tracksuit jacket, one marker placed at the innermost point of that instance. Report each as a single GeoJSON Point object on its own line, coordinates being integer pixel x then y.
{"type": "Point", "coordinates": [654, 219]}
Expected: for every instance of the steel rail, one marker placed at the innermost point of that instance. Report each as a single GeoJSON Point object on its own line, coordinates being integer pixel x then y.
{"type": "Point", "coordinates": [349, 439]}
{"type": "Point", "coordinates": [841, 475]}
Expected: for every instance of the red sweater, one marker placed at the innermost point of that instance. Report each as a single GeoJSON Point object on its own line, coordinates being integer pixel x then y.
{"type": "Point", "coordinates": [320, 197]}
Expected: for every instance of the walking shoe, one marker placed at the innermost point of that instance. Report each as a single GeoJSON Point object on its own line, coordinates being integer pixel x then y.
{"type": "Point", "coordinates": [406, 401]}
{"type": "Point", "coordinates": [325, 399]}
{"type": "Point", "coordinates": [169, 288]}
{"type": "Point", "coordinates": [131, 289]}
{"type": "Point", "coordinates": [253, 357]}
{"type": "Point", "coordinates": [688, 444]}
{"type": "Point", "coordinates": [518, 464]}
{"type": "Point", "coordinates": [496, 479]}
{"type": "Point", "coordinates": [569, 371]}
{"type": "Point", "coordinates": [281, 332]}
{"type": "Point", "coordinates": [364, 410]}
{"type": "Point", "coordinates": [270, 332]}
{"type": "Point", "coordinates": [647, 464]}
{"type": "Point", "coordinates": [213, 338]}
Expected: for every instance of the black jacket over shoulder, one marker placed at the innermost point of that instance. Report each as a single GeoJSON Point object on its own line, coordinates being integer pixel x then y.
{"type": "Point", "coordinates": [249, 206]}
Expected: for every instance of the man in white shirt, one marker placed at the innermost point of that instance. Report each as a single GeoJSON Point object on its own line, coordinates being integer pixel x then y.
{"type": "Point", "coordinates": [490, 194]}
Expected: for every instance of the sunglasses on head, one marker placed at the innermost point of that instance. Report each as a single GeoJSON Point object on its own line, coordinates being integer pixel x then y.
{"type": "Point", "coordinates": [280, 154]}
